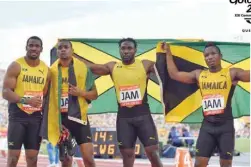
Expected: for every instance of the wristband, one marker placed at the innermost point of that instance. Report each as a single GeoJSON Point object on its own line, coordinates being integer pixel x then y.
{"type": "Point", "coordinates": [22, 100]}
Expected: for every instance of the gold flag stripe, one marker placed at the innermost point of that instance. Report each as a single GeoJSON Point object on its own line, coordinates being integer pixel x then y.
{"type": "Point", "coordinates": [245, 65]}
{"type": "Point", "coordinates": [153, 90]}
{"type": "Point", "coordinates": [101, 87]}
{"type": "Point", "coordinates": [150, 55]}
{"type": "Point", "coordinates": [198, 57]}
{"type": "Point", "coordinates": [185, 108]}
{"type": "Point", "coordinates": [186, 54]}
{"type": "Point", "coordinates": [92, 54]}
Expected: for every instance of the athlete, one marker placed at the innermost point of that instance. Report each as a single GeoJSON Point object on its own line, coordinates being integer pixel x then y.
{"type": "Point", "coordinates": [217, 86]}
{"type": "Point", "coordinates": [24, 86]}
{"type": "Point", "coordinates": [74, 96]}
{"type": "Point", "coordinates": [134, 118]}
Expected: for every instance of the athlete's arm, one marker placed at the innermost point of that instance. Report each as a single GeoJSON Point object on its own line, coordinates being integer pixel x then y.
{"type": "Point", "coordinates": [181, 76]}
{"type": "Point", "coordinates": [149, 66]}
{"type": "Point", "coordinates": [102, 69]}
{"type": "Point", "coordinates": [9, 83]}
{"type": "Point", "coordinates": [47, 82]}
{"type": "Point", "coordinates": [238, 74]}
{"type": "Point", "coordinates": [90, 95]}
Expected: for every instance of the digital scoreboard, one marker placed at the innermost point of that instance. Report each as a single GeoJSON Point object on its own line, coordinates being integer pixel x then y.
{"type": "Point", "coordinates": [105, 143]}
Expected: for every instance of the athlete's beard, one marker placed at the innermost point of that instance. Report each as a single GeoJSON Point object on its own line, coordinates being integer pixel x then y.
{"type": "Point", "coordinates": [32, 57]}
{"type": "Point", "coordinates": [214, 68]}
{"type": "Point", "coordinates": [64, 57]}
{"type": "Point", "coordinates": [127, 59]}
{"type": "Point", "coordinates": [65, 60]}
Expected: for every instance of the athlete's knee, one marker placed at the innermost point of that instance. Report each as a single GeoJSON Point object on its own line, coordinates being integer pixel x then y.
{"type": "Point", "coordinates": [12, 160]}
{"type": "Point", "coordinates": [67, 162]}
{"type": "Point", "coordinates": [128, 153]}
{"type": "Point", "coordinates": [200, 163]}
{"type": "Point", "coordinates": [31, 160]}
{"type": "Point", "coordinates": [153, 154]}
{"type": "Point", "coordinates": [225, 163]}
{"type": "Point", "coordinates": [197, 163]}
{"type": "Point", "coordinates": [89, 161]}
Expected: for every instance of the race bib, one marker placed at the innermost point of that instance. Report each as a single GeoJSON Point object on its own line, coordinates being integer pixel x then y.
{"type": "Point", "coordinates": [30, 94]}
{"type": "Point", "coordinates": [130, 96]}
{"type": "Point", "coordinates": [64, 102]}
{"type": "Point", "coordinates": [213, 104]}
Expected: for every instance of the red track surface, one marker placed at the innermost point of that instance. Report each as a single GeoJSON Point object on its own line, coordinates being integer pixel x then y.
{"type": "Point", "coordinates": [43, 162]}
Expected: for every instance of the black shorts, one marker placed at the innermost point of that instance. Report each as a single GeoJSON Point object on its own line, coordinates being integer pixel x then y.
{"type": "Point", "coordinates": [81, 133]}
{"type": "Point", "coordinates": [24, 132]}
{"type": "Point", "coordinates": [128, 129]}
{"type": "Point", "coordinates": [220, 136]}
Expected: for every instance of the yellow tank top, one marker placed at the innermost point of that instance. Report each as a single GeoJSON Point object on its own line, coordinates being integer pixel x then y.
{"type": "Point", "coordinates": [130, 83]}
{"type": "Point", "coordinates": [30, 83]}
{"type": "Point", "coordinates": [65, 87]}
{"type": "Point", "coordinates": [216, 90]}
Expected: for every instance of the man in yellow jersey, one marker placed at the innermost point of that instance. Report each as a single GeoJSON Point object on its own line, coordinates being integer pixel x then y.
{"type": "Point", "coordinates": [217, 86]}
{"type": "Point", "coordinates": [72, 86]}
{"type": "Point", "coordinates": [134, 118]}
{"type": "Point", "coordinates": [24, 86]}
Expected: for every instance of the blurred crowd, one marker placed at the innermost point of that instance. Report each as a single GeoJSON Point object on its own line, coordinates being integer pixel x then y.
{"type": "Point", "coordinates": [244, 132]}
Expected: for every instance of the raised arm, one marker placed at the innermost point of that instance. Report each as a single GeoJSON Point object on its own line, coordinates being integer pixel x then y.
{"type": "Point", "coordinates": [102, 69]}
{"type": "Point", "coordinates": [238, 74]}
{"type": "Point", "coordinates": [9, 83]}
{"type": "Point", "coordinates": [181, 76]}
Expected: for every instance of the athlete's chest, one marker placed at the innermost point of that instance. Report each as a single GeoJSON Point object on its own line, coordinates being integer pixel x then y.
{"type": "Point", "coordinates": [215, 88]}
{"type": "Point", "coordinates": [36, 75]}
{"type": "Point", "coordinates": [218, 82]}
{"type": "Point", "coordinates": [129, 74]}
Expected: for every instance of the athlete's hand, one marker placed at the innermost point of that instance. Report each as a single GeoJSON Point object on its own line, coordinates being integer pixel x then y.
{"type": "Point", "coordinates": [166, 47]}
{"type": "Point", "coordinates": [74, 91]}
{"type": "Point", "coordinates": [35, 101]}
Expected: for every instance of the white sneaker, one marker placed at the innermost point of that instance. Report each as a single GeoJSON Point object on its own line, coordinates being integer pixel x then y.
{"type": "Point", "coordinates": [56, 165]}
{"type": "Point", "coordinates": [51, 165]}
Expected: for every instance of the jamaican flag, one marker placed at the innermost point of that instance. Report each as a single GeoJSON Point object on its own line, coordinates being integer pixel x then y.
{"type": "Point", "coordinates": [101, 51]}
{"type": "Point", "coordinates": [182, 102]}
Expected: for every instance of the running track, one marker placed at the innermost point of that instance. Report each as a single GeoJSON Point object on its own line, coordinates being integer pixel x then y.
{"type": "Point", "coordinates": [241, 161]}
{"type": "Point", "coordinates": [43, 162]}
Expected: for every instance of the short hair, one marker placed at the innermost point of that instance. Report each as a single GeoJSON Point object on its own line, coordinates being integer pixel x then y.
{"type": "Point", "coordinates": [211, 44]}
{"type": "Point", "coordinates": [65, 40]}
{"type": "Point", "coordinates": [34, 37]}
{"type": "Point", "coordinates": [129, 40]}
